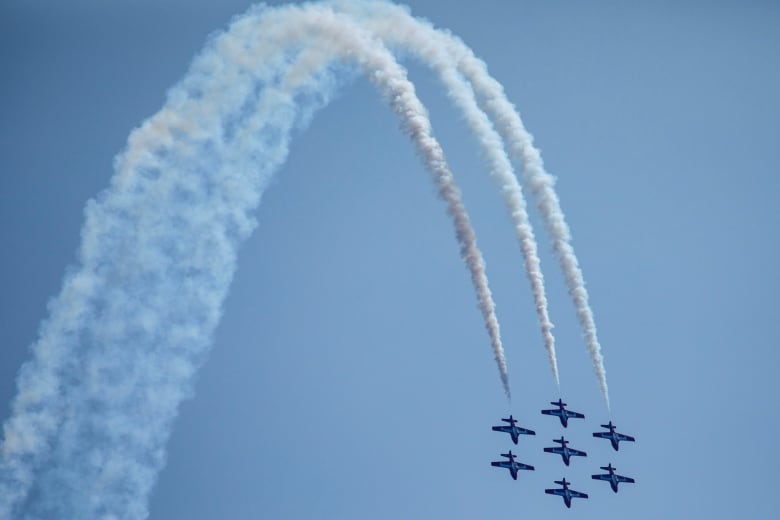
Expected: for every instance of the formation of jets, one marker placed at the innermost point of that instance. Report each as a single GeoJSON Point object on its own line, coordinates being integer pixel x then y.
{"type": "Point", "coordinates": [511, 427]}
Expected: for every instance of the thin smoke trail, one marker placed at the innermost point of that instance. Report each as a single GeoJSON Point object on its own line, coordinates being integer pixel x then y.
{"type": "Point", "coordinates": [349, 41]}
{"type": "Point", "coordinates": [492, 99]}
{"type": "Point", "coordinates": [134, 322]}
{"type": "Point", "coordinates": [411, 38]}
{"type": "Point", "coordinates": [542, 184]}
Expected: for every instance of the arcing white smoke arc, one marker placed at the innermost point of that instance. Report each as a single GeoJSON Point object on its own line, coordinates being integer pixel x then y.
{"type": "Point", "coordinates": [116, 357]}
{"type": "Point", "coordinates": [398, 29]}
{"type": "Point", "coordinates": [445, 52]}
{"type": "Point", "coordinates": [96, 403]}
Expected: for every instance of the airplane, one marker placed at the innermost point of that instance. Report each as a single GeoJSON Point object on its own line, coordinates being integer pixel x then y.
{"type": "Point", "coordinates": [613, 436]}
{"type": "Point", "coordinates": [512, 465]}
{"type": "Point", "coordinates": [562, 413]}
{"type": "Point", "coordinates": [565, 493]}
{"type": "Point", "coordinates": [613, 478]}
{"type": "Point", "coordinates": [513, 430]}
{"type": "Point", "coordinates": [564, 451]}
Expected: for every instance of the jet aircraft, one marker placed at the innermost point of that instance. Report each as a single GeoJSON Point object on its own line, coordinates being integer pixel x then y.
{"type": "Point", "coordinates": [513, 430]}
{"type": "Point", "coordinates": [565, 493]}
{"type": "Point", "coordinates": [564, 451]}
{"type": "Point", "coordinates": [613, 478]}
{"type": "Point", "coordinates": [512, 465]}
{"type": "Point", "coordinates": [613, 436]}
{"type": "Point", "coordinates": [562, 413]}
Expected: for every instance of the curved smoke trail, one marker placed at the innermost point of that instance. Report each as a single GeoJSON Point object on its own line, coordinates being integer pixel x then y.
{"type": "Point", "coordinates": [397, 27]}
{"type": "Point", "coordinates": [135, 318]}
{"type": "Point", "coordinates": [542, 184]}
{"type": "Point", "coordinates": [336, 36]}
{"type": "Point", "coordinates": [132, 325]}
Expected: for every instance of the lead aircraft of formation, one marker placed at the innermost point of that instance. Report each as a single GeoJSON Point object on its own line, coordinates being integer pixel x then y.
{"type": "Point", "coordinates": [562, 413]}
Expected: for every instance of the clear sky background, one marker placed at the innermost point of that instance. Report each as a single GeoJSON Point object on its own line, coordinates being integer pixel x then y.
{"type": "Point", "coordinates": [351, 376]}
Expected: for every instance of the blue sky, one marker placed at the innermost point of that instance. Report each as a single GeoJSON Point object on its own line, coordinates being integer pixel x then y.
{"type": "Point", "coordinates": [351, 374]}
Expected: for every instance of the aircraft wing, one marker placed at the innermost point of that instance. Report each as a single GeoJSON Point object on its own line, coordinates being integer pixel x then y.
{"type": "Point", "coordinates": [575, 415]}
{"type": "Point", "coordinates": [622, 437]}
{"type": "Point", "coordinates": [504, 429]}
{"type": "Point", "coordinates": [577, 494]}
{"type": "Point", "coordinates": [601, 477]}
{"type": "Point", "coordinates": [621, 478]}
{"type": "Point", "coordinates": [500, 464]}
{"type": "Point", "coordinates": [602, 435]}
{"type": "Point", "coordinates": [520, 465]}
{"type": "Point", "coordinates": [559, 492]}
{"type": "Point", "coordinates": [556, 450]}
{"type": "Point", "coordinates": [551, 412]}
{"type": "Point", "coordinates": [577, 452]}
{"type": "Point", "coordinates": [525, 431]}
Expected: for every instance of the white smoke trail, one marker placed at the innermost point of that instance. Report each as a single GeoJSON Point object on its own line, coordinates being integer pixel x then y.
{"type": "Point", "coordinates": [348, 41]}
{"type": "Point", "coordinates": [412, 36]}
{"type": "Point", "coordinates": [134, 321]}
{"type": "Point", "coordinates": [330, 37]}
{"type": "Point", "coordinates": [542, 184]}
{"type": "Point", "coordinates": [397, 27]}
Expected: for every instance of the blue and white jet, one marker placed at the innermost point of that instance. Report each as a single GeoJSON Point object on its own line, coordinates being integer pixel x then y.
{"type": "Point", "coordinates": [512, 465]}
{"type": "Point", "coordinates": [613, 436]}
{"type": "Point", "coordinates": [512, 429]}
{"type": "Point", "coordinates": [565, 493]}
{"type": "Point", "coordinates": [562, 413]}
{"type": "Point", "coordinates": [564, 451]}
{"type": "Point", "coordinates": [613, 478]}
